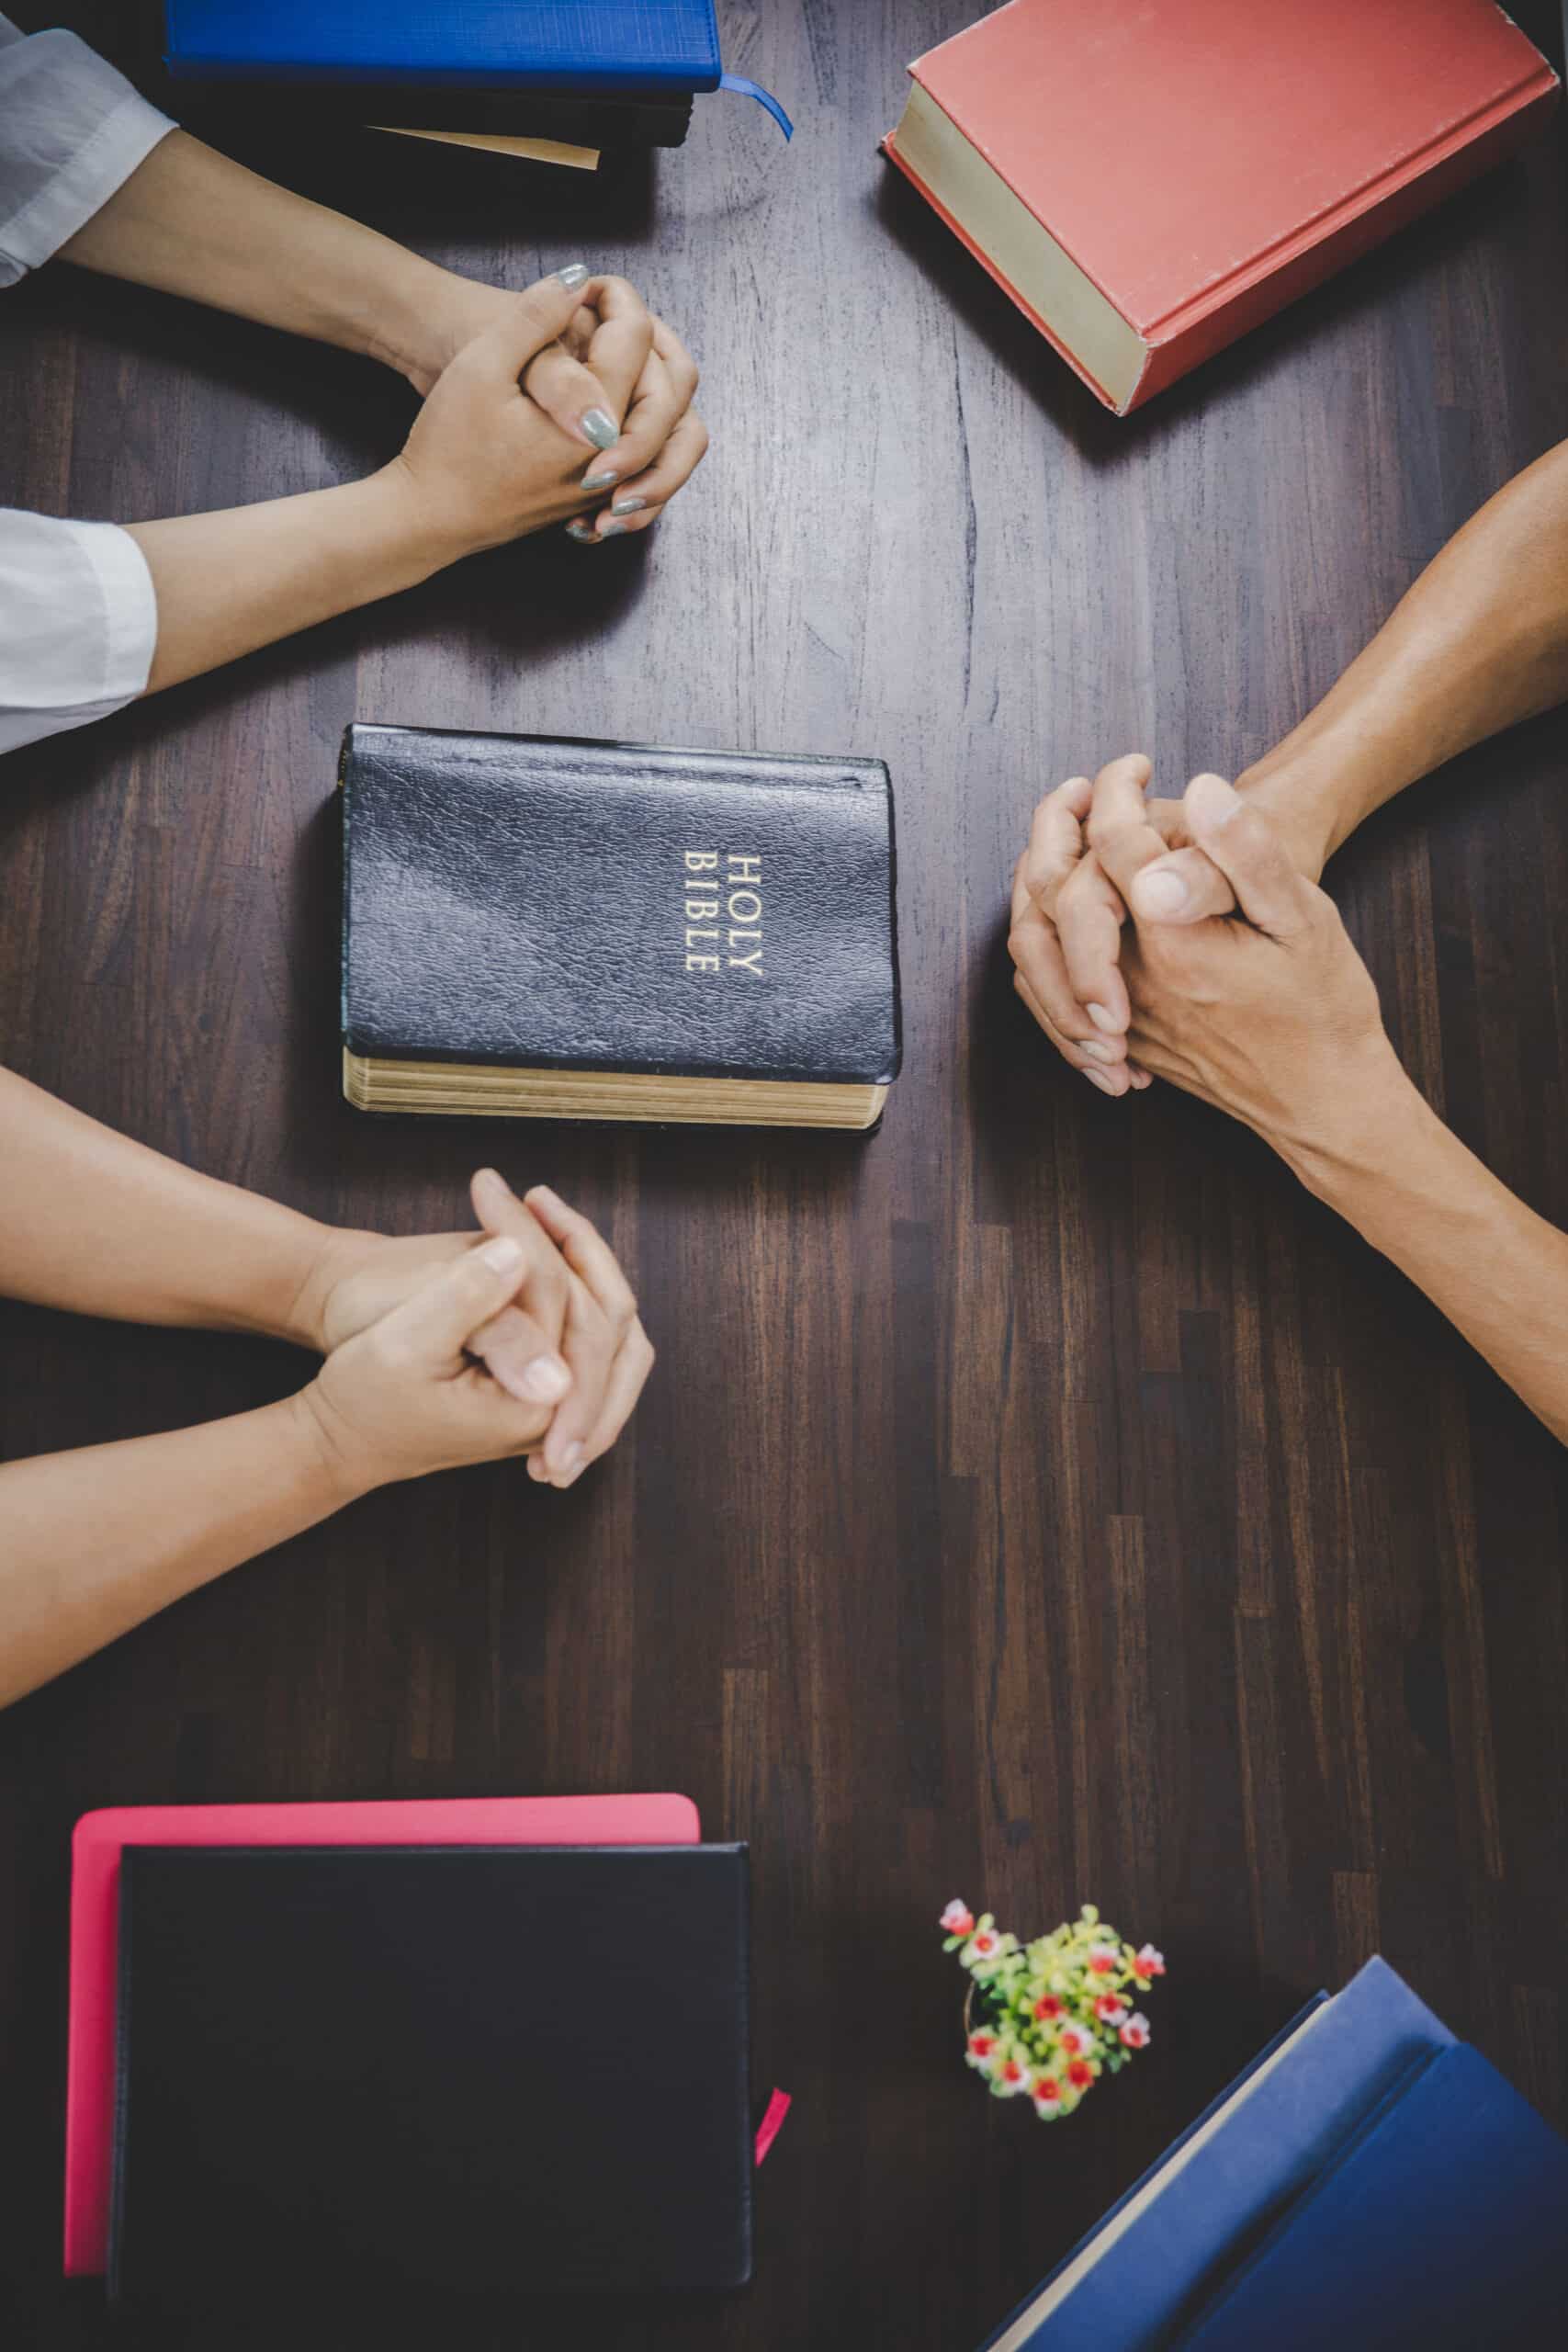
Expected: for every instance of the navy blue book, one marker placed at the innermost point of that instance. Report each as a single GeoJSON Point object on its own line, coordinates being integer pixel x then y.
{"type": "Point", "coordinates": [1439, 2228]}
{"type": "Point", "coordinates": [616, 45]}
{"type": "Point", "coordinates": [1181, 2230]}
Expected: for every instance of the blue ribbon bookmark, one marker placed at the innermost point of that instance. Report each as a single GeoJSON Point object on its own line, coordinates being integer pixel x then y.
{"type": "Point", "coordinates": [764, 97]}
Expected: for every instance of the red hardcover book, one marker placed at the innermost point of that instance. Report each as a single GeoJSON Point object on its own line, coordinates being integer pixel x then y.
{"type": "Point", "coordinates": [1150, 179]}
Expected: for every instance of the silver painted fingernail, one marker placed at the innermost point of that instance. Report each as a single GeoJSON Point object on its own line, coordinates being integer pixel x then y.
{"type": "Point", "coordinates": [1102, 1019]}
{"type": "Point", "coordinates": [1098, 1078]}
{"type": "Point", "coordinates": [602, 430]}
{"type": "Point", "coordinates": [576, 273]}
{"type": "Point", "coordinates": [542, 1381]}
{"type": "Point", "coordinates": [583, 532]}
{"type": "Point", "coordinates": [627, 505]}
{"type": "Point", "coordinates": [1100, 1052]}
{"type": "Point", "coordinates": [601, 480]}
{"type": "Point", "coordinates": [610, 528]}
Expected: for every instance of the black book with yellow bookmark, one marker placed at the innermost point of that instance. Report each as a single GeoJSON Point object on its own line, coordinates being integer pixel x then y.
{"type": "Point", "coordinates": [558, 928]}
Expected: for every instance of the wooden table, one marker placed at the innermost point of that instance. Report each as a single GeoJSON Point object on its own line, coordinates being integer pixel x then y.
{"type": "Point", "coordinates": [1043, 1502]}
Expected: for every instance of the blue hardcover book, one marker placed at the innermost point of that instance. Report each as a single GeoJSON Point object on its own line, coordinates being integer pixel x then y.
{"type": "Point", "coordinates": [1217, 2188]}
{"type": "Point", "coordinates": [669, 46]}
{"type": "Point", "coordinates": [1439, 2228]}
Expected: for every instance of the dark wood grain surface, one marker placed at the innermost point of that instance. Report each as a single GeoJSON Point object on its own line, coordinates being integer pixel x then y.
{"type": "Point", "coordinates": [1043, 1502]}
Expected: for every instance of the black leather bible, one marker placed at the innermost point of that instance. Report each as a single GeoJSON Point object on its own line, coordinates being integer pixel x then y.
{"type": "Point", "coordinates": [483, 2072]}
{"type": "Point", "coordinates": [557, 928]}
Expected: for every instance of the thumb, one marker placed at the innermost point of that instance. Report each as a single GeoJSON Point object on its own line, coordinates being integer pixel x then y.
{"type": "Point", "coordinates": [533, 321]}
{"type": "Point", "coordinates": [1244, 845]}
{"type": "Point", "coordinates": [435, 1325]}
{"type": "Point", "coordinates": [1185, 887]}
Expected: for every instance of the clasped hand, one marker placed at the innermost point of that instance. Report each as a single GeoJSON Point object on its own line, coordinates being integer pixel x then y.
{"type": "Point", "coordinates": [542, 405]}
{"type": "Point", "coordinates": [520, 1339]}
{"type": "Point", "coordinates": [1179, 940]}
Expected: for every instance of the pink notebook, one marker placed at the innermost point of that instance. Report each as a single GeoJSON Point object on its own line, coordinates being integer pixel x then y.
{"type": "Point", "coordinates": [95, 1920]}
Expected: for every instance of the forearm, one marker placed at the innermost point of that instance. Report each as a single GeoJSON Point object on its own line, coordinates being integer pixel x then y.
{"type": "Point", "coordinates": [101, 1225]}
{"type": "Point", "coordinates": [191, 221]}
{"type": "Point", "coordinates": [230, 582]}
{"type": "Point", "coordinates": [93, 1542]}
{"type": "Point", "coordinates": [1480, 642]}
{"type": "Point", "coordinates": [1498, 1271]}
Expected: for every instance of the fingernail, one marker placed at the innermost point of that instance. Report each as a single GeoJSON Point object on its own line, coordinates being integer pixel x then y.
{"type": "Point", "coordinates": [610, 528]}
{"type": "Point", "coordinates": [576, 273]}
{"type": "Point", "coordinates": [583, 532]}
{"type": "Point", "coordinates": [502, 1254]}
{"type": "Point", "coordinates": [1102, 1019]}
{"type": "Point", "coordinates": [627, 505]}
{"type": "Point", "coordinates": [1218, 802]}
{"type": "Point", "coordinates": [601, 480]}
{"type": "Point", "coordinates": [602, 430]}
{"type": "Point", "coordinates": [1098, 1078]}
{"type": "Point", "coordinates": [1160, 891]}
{"type": "Point", "coordinates": [494, 1176]}
{"type": "Point", "coordinates": [552, 1201]}
{"type": "Point", "coordinates": [542, 1381]}
{"type": "Point", "coordinates": [1100, 1052]}
{"type": "Point", "coordinates": [570, 1465]}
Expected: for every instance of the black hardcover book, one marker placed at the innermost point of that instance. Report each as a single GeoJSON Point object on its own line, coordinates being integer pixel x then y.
{"type": "Point", "coordinates": [555, 928]}
{"type": "Point", "coordinates": [217, 108]}
{"type": "Point", "coordinates": [488, 2072]}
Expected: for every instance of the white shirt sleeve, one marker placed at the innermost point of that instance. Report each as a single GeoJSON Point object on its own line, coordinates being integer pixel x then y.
{"type": "Point", "coordinates": [78, 615]}
{"type": "Point", "coordinates": [71, 130]}
{"type": "Point", "coordinates": [78, 623]}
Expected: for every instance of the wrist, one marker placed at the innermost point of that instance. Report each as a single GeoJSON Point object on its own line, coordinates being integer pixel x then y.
{"type": "Point", "coordinates": [425, 528]}
{"type": "Point", "coordinates": [1308, 800]}
{"type": "Point", "coordinates": [333, 1467]}
{"type": "Point", "coordinates": [405, 320]}
{"type": "Point", "coordinates": [1350, 1131]}
{"type": "Point", "coordinates": [423, 316]}
{"type": "Point", "coordinates": [1344, 759]}
{"type": "Point", "coordinates": [269, 1266]}
{"type": "Point", "coordinates": [337, 1251]}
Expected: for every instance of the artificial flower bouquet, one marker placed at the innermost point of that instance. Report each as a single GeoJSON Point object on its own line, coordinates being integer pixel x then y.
{"type": "Point", "coordinates": [1046, 2020]}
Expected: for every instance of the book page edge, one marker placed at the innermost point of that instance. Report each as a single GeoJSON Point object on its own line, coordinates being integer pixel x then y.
{"type": "Point", "coordinates": [1056, 2293]}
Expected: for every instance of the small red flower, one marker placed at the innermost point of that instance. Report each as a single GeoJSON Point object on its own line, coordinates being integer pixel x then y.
{"type": "Point", "coordinates": [1147, 1964]}
{"type": "Point", "coordinates": [1111, 2008]}
{"type": "Point", "coordinates": [984, 1943]}
{"type": "Point", "coordinates": [1049, 2006]}
{"type": "Point", "coordinates": [1080, 2073]}
{"type": "Point", "coordinates": [982, 2045]}
{"type": "Point", "coordinates": [1073, 2038]}
{"type": "Point", "coordinates": [1103, 1963]}
{"type": "Point", "coordinates": [1011, 2071]}
{"type": "Point", "coordinates": [1047, 2090]}
{"type": "Point", "coordinates": [1135, 2032]}
{"type": "Point", "coordinates": [958, 1919]}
